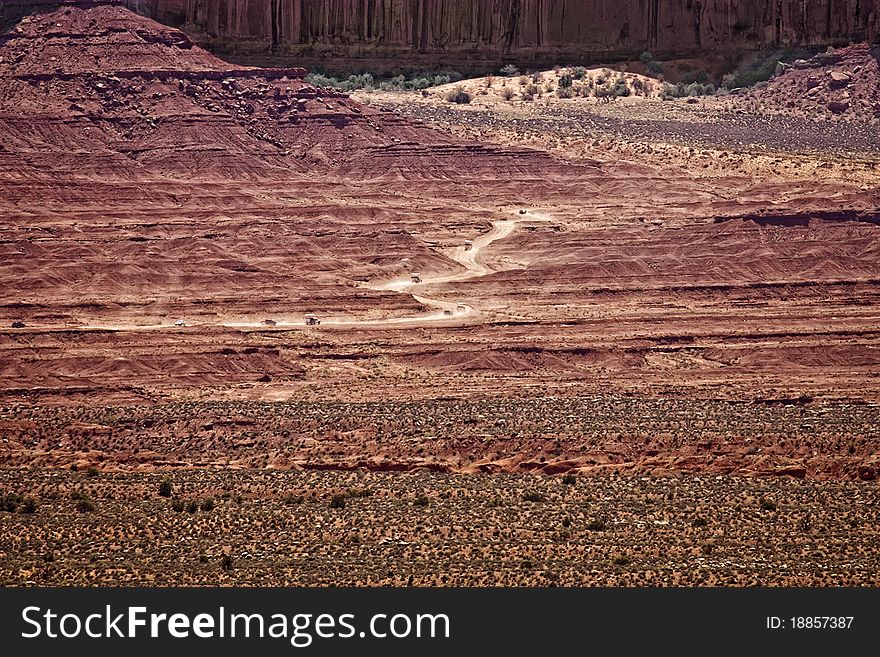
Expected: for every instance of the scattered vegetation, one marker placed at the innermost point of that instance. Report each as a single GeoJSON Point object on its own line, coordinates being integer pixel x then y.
{"type": "Point", "coordinates": [562, 539]}
{"type": "Point", "coordinates": [682, 90]}
{"type": "Point", "coordinates": [763, 67]}
{"type": "Point", "coordinates": [369, 82]}
{"type": "Point", "coordinates": [510, 71]}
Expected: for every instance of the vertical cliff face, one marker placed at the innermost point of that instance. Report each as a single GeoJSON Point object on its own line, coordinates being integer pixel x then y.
{"type": "Point", "coordinates": [523, 30]}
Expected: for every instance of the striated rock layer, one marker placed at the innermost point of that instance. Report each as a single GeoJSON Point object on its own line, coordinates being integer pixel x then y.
{"type": "Point", "coordinates": [478, 32]}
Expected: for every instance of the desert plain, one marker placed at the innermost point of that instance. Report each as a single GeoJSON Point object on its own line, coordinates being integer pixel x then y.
{"type": "Point", "coordinates": [560, 341]}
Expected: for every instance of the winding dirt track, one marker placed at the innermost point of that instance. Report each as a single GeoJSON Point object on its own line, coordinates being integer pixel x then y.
{"type": "Point", "coordinates": [469, 258]}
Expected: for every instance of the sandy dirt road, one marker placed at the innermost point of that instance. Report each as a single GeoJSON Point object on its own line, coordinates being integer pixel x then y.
{"type": "Point", "coordinates": [469, 257]}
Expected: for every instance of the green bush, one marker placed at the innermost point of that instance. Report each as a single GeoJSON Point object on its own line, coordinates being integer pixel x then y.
{"type": "Point", "coordinates": [459, 96]}
{"type": "Point", "coordinates": [207, 505]}
{"type": "Point", "coordinates": [10, 502]}
{"type": "Point", "coordinates": [510, 71]}
{"type": "Point", "coordinates": [421, 500]}
{"type": "Point", "coordinates": [654, 69]}
{"type": "Point", "coordinates": [85, 505]}
{"type": "Point", "coordinates": [569, 480]}
{"type": "Point", "coordinates": [534, 496]}
{"type": "Point", "coordinates": [165, 488]}
{"type": "Point", "coordinates": [28, 505]}
{"type": "Point", "coordinates": [763, 67]}
{"type": "Point", "coordinates": [367, 81]}
{"type": "Point", "coordinates": [337, 502]}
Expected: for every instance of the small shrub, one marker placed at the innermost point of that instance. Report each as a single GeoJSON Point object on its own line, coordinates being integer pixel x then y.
{"type": "Point", "coordinates": [192, 506]}
{"type": "Point", "coordinates": [767, 504]}
{"type": "Point", "coordinates": [566, 81]}
{"type": "Point", "coordinates": [510, 71]}
{"type": "Point", "coordinates": [28, 505]}
{"type": "Point", "coordinates": [177, 505]}
{"type": "Point", "coordinates": [507, 93]}
{"type": "Point", "coordinates": [360, 492]}
{"type": "Point", "coordinates": [92, 472]}
{"type": "Point", "coordinates": [699, 522]}
{"type": "Point", "coordinates": [10, 502]}
{"type": "Point", "coordinates": [569, 480]}
{"type": "Point", "coordinates": [596, 525]}
{"type": "Point", "coordinates": [533, 496]}
{"type": "Point", "coordinates": [226, 562]}
{"type": "Point", "coordinates": [530, 92]}
{"type": "Point", "coordinates": [654, 69]}
{"type": "Point", "coordinates": [622, 560]}
{"type": "Point", "coordinates": [647, 57]}
{"type": "Point", "coordinates": [337, 502]}
{"type": "Point", "coordinates": [85, 505]}
{"type": "Point", "coordinates": [207, 505]}
{"type": "Point", "coordinates": [568, 92]}
{"type": "Point", "coordinates": [165, 488]}
{"type": "Point", "coordinates": [578, 72]}
{"type": "Point", "coordinates": [294, 500]}
{"type": "Point", "coordinates": [421, 500]}
{"type": "Point", "coordinates": [459, 96]}
{"type": "Point", "coordinates": [620, 88]}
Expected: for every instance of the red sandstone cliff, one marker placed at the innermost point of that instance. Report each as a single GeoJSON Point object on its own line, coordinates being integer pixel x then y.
{"type": "Point", "coordinates": [521, 30]}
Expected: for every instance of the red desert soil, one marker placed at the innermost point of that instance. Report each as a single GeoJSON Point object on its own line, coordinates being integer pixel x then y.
{"type": "Point", "coordinates": [626, 305]}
